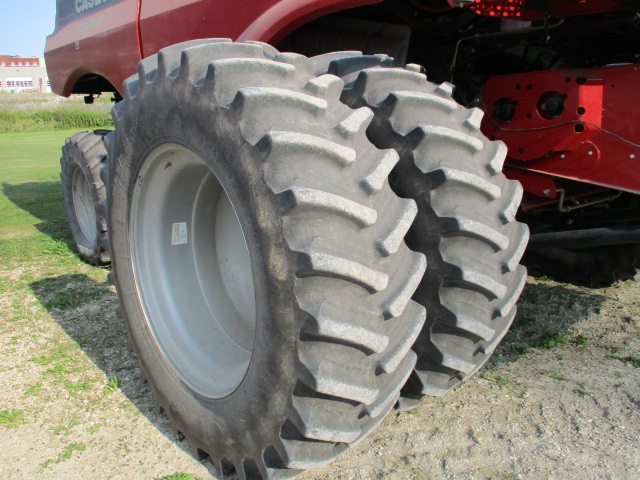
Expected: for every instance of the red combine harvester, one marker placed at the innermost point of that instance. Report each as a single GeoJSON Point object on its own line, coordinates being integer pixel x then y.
{"type": "Point", "coordinates": [305, 232]}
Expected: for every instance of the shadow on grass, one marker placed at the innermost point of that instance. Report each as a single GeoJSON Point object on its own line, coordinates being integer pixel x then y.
{"type": "Point", "coordinates": [86, 311]}
{"type": "Point", "coordinates": [43, 200]}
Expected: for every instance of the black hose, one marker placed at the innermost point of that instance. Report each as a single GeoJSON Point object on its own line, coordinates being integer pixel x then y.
{"type": "Point", "coordinates": [593, 237]}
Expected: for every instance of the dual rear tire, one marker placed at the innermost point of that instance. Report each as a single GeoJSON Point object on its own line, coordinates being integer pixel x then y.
{"type": "Point", "coordinates": [259, 253]}
{"type": "Point", "coordinates": [84, 155]}
{"type": "Point", "coordinates": [265, 284]}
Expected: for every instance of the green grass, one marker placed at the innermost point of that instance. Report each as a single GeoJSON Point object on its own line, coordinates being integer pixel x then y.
{"type": "Point", "coordinates": [178, 476]}
{"type": "Point", "coordinates": [549, 341]}
{"type": "Point", "coordinates": [33, 389]}
{"type": "Point", "coordinates": [47, 120]}
{"type": "Point", "coordinates": [502, 382]}
{"type": "Point", "coordinates": [32, 216]}
{"type": "Point", "coordinates": [32, 157]}
{"type": "Point", "coordinates": [76, 387]}
{"type": "Point", "coordinates": [36, 112]}
{"type": "Point", "coordinates": [519, 349]}
{"type": "Point", "coordinates": [58, 355]}
{"type": "Point", "coordinates": [634, 361]}
{"type": "Point", "coordinates": [580, 340]}
{"type": "Point", "coordinates": [11, 418]}
{"type": "Point", "coordinates": [59, 370]}
{"type": "Point", "coordinates": [113, 385]}
{"type": "Point", "coordinates": [66, 454]}
{"type": "Point", "coordinates": [64, 430]}
{"type": "Point", "coordinates": [93, 429]}
{"type": "Point", "coordinates": [69, 297]}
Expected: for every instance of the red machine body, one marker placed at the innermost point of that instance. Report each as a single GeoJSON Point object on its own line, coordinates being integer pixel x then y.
{"type": "Point", "coordinates": [275, 217]}
{"type": "Point", "coordinates": [559, 123]}
{"type": "Point", "coordinates": [111, 37]}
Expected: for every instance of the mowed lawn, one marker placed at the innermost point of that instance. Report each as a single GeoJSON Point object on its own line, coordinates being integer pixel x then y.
{"type": "Point", "coordinates": [32, 217]}
{"type": "Point", "coordinates": [71, 396]}
{"type": "Point", "coordinates": [31, 156]}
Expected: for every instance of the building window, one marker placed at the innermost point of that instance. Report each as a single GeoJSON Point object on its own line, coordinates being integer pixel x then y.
{"type": "Point", "coordinates": [20, 83]}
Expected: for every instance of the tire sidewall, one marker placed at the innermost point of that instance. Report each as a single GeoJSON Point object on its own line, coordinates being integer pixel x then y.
{"type": "Point", "coordinates": [210, 133]}
{"type": "Point", "coordinates": [71, 161]}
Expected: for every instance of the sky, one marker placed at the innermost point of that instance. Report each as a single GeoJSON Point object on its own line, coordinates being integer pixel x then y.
{"type": "Point", "coordinates": [24, 26]}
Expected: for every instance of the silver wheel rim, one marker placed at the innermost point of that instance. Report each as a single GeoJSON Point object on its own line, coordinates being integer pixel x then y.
{"type": "Point", "coordinates": [83, 205]}
{"type": "Point", "coordinates": [192, 269]}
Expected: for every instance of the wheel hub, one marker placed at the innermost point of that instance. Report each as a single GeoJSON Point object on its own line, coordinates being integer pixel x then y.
{"type": "Point", "coordinates": [192, 267]}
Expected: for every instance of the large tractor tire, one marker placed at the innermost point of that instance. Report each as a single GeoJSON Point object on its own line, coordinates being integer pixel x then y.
{"type": "Point", "coordinates": [258, 255]}
{"type": "Point", "coordinates": [83, 156]}
{"type": "Point", "coordinates": [466, 217]}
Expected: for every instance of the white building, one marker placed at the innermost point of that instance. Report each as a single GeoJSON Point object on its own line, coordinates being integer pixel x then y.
{"type": "Point", "coordinates": [18, 74]}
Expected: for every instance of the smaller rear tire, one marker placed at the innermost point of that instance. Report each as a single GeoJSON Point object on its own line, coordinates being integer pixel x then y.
{"type": "Point", "coordinates": [83, 156]}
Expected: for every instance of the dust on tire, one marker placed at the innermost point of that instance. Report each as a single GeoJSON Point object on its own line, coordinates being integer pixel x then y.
{"type": "Point", "coordinates": [83, 157]}
{"type": "Point", "coordinates": [333, 278]}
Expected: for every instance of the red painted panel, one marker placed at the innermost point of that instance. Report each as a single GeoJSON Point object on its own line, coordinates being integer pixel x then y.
{"type": "Point", "coordinates": [104, 42]}
{"type": "Point", "coordinates": [535, 183]}
{"type": "Point", "coordinates": [286, 15]}
{"type": "Point", "coordinates": [174, 21]}
{"type": "Point", "coordinates": [534, 133]}
{"type": "Point", "coordinates": [595, 139]}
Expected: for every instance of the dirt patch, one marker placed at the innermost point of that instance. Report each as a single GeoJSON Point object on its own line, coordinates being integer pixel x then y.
{"type": "Point", "coordinates": [559, 399]}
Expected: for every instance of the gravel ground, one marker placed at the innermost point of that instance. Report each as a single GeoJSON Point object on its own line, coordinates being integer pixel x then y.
{"type": "Point", "coordinates": [559, 399]}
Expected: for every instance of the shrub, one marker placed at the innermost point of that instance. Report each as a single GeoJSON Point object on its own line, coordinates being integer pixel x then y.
{"type": "Point", "coordinates": [19, 121]}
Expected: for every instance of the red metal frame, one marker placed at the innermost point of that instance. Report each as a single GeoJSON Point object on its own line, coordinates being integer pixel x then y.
{"type": "Point", "coordinates": [535, 183]}
{"type": "Point", "coordinates": [593, 140]}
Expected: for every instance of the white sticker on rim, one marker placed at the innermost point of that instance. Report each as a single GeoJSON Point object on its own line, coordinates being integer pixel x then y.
{"type": "Point", "coordinates": [179, 235]}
